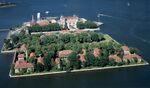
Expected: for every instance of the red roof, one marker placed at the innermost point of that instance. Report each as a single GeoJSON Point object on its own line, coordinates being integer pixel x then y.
{"type": "Point", "coordinates": [20, 56]}
{"type": "Point", "coordinates": [64, 53]}
{"type": "Point", "coordinates": [32, 54]}
{"type": "Point", "coordinates": [125, 48]}
{"type": "Point", "coordinates": [43, 22]}
{"type": "Point", "coordinates": [132, 56]}
{"type": "Point", "coordinates": [72, 17]}
{"type": "Point", "coordinates": [40, 60]}
{"type": "Point", "coordinates": [96, 52]}
{"type": "Point", "coordinates": [23, 64]}
{"type": "Point", "coordinates": [115, 57]}
{"type": "Point", "coordinates": [82, 57]}
{"type": "Point", "coordinates": [57, 61]}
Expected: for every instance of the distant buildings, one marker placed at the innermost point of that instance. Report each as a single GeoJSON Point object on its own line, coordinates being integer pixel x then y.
{"type": "Point", "coordinates": [126, 50]}
{"type": "Point", "coordinates": [72, 22]}
{"type": "Point", "coordinates": [82, 56]}
{"type": "Point", "coordinates": [127, 56]}
{"type": "Point", "coordinates": [40, 60]}
{"type": "Point", "coordinates": [69, 22]}
{"type": "Point", "coordinates": [96, 52]}
{"type": "Point", "coordinates": [64, 53]}
{"type": "Point", "coordinates": [62, 21]}
{"type": "Point", "coordinates": [21, 65]}
{"type": "Point", "coordinates": [130, 57]}
{"type": "Point", "coordinates": [43, 22]}
{"type": "Point", "coordinates": [115, 58]}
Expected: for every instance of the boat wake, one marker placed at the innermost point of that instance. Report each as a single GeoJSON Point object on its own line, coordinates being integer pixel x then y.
{"type": "Point", "coordinates": [110, 16]}
{"type": "Point", "coordinates": [132, 33]}
{"type": "Point", "coordinates": [132, 30]}
{"type": "Point", "coordinates": [104, 15]}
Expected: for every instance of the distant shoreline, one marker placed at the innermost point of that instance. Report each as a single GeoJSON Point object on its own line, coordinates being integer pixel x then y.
{"type": "Point", "coordinates": [80, 70]}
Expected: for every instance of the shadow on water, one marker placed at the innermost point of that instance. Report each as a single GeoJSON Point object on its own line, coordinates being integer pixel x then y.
{"type": "Point", "coordinates": [138, 37]}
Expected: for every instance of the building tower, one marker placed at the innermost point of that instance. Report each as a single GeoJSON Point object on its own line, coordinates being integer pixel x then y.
{"type": "Point", "coordinates": [38, 17]}
{"type": "Point", "coordinates": [33, 20]}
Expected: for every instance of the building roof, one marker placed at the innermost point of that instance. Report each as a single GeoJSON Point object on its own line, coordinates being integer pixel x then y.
{"type": "Point", "coordinates": [96, 52]}
{"type": "Point", "coordinates": [23, 64]}
{"type": "Point", "coordinates": [57, 61]}
{"type": "Point", "coordinates": [125, 48]}
{"type": "Point", "coordinates": [40, 60]}
{"type": "Point", "coordinates": [21, 56]}
{"type": "Point", "coordinates": [53, 21]}
{"type": "Point", "coordinates": [132, 56]}
{"type": "Point", "coordinates": [43, 22]}
{"type": "Point", "coordinates": [84, 51]}
{"type": "Point", "coordinates": [115, 57]}
{"type": "Point", "coordinates": [72, 17]}
{"type": "Point", "coordinates": [82, 57]}
{"type": "Point", "coordinates": [23, 47]}
{"type": "Point", "coordinates": [32, 54]}
{"type": "Point", "coordinates": [63, 53]}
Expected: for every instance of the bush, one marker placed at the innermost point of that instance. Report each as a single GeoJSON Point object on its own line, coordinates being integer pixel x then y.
{"type": "Point", "coordinates": [50, 27]}
{"type": "Point", "coordinates": [87, 24]}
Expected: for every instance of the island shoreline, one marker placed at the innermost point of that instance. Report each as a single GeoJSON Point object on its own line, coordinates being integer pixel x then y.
{"type": "Point", "coordinates": [80, 70]}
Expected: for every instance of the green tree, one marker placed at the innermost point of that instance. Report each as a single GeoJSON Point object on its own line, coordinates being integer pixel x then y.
{"type": "Point", "coordinates": [14, 39]}
{"type": "Point", "coordinates": [39, 67]}
{"type": "Point", "coordinates": [74, 61]}
{"type": "Point", "coordinates": [134, 50]}
{"type": "Point", "coordinates": [94, 36]}
{"type": "Point", "coordinates": [64, 38]}
{"type": "Point", "coordinates": [103, 62]}
{"type": "Point", "coordinates": [101, 36]}
{"type": "Point", "coordinates": [47, 63]}
{"type": "Point", "coordinates": [87, 24]}
{"type": "Point", "coordinates": [112, 63]}
{"type": "Point", "coordinates": [83, 37]}
{"type": "Point", "coordinates": [51, 39]}
{"type": "Point", "coordinates": [89, 59]}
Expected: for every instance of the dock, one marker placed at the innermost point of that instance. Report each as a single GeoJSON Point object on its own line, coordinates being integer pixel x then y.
{"type": "Point", "coordinates": [4, 30]}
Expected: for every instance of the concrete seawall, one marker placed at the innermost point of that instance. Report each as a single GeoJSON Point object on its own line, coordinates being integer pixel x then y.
{"type": "Point", "coordinates": [80, 70]}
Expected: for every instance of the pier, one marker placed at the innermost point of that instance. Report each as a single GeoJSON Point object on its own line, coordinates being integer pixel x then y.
{"type": "Point", "coordinates": [4, 30]}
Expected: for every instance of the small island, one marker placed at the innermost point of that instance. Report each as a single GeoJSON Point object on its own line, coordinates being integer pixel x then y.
{"type": "Point", "coordinates": [6, 4]}
{"type": "Point", "coordinates": [53, 45]}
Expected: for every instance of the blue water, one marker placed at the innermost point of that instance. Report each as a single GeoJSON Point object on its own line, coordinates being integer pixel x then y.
{"type": "Point", "coordinates": [127, 23]}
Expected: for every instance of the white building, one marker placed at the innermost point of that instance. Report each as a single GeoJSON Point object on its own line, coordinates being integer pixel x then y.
{"type": "Point", "coordinates": [62, 21]}
{"type": "Point", "coordinates": [72, 22]}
